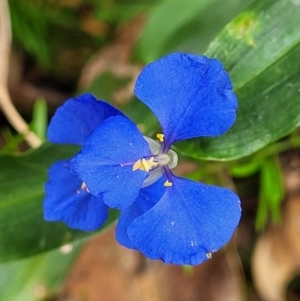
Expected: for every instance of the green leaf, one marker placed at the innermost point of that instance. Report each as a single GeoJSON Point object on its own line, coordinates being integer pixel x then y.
{"type": "Point", "coordinates": [181, 23]}
{"type": "Point", "coordinates": [39, 118]}
{"type": "Point", "coordinates": [38, 277]}
{"type": "Point", "coordinates": [167, 10]}
{"type": "Point", "coordinates": [246, 169]}
{"type": "Point", "coordinates": [23, 232]}
{"type": "Point", "coordinates": [12, 141]}
{"type": "Point", "coordinates": [29, 27]}
{"type": "Point", "coordinates": [261, 51]}
{"type": "Point", "coordinates": [271, 193]}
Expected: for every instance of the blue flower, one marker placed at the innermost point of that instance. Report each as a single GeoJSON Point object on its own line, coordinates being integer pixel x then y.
{"type": "Point", "coordinates": [162, 215]}
{"type": "Point", "coordinates": [67, 198]}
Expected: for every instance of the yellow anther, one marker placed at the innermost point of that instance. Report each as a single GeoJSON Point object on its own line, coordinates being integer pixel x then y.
{"type": "Point", "coordinates": [168, 184]}
{"type": "Point", "coordinates": [160, 137]}
{"type": "Point", "coordinates": [137, 165]}
{"type": "Point", "coordinates": [83, 187]}
{"type": "Point", "coordinates": [144, 164]}
{"type": "Point", "coordinates": [148, 164]}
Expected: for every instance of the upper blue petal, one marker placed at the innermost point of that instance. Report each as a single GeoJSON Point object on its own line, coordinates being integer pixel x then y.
{"type": "Point", "coordinates": [147, 198]}
{"type": "Point", "coordinates": [77, 118]}
{"type": "Point", "coordinates": [66, 201]}
{"type": "Point", "coordinates": [106, 160]}
{"type": "Point", "coordinates": [190, 95]}
{"type": "Point", "coordinates": [188, 222]}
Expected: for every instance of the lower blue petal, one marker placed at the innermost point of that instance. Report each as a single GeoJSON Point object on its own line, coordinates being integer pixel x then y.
{"type": "Point", "coordinates": [77, 118]}
{"type": "Point", "coordinates": [147, 198]}
{"type": "Point", "coordinates": [65, 201]}
{"type": "Point", "coordinates": [106, 161]}
{"type": "Point", "coordinates": [188, 223]}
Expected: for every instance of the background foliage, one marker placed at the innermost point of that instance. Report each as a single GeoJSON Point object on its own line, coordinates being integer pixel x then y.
{"type": "Point", "coordinates": [260, 48]}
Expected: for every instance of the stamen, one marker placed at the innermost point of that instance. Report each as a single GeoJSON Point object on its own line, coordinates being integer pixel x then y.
{"type": "Point", "coordinates": [160, 137]}
{"type": "Point", "coordinates": [209, 255]}
{"type": "Point", "coordinates": [144, 164]}
{"type": "Point", "coordinates": [83, 187]}
{"type": "Point", "coordinates": [137, 165]}
{"type": "Point", "coordinates": [154, 164]}
{"type": "Point", "coordinates": [168, 184]}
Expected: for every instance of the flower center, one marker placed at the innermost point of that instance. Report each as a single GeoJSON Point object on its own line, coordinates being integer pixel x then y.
{"type": "Point", "coordinates": [153, 163]}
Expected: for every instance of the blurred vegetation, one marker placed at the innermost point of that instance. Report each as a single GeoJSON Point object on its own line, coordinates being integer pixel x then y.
{"type": "Point", "coordinates": [68, 40]}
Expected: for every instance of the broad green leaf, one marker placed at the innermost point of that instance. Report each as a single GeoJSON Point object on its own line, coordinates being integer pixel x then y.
{"type": "Point", "coordinates": [23, 232]}
{"type": "Point", "coordinates": [261, 51]}
{"type": "Point", "coordinates": [38, 277]}
{"type": "Point", "coordinates": [165, 20]}
{"type": "Point", "coordinates": [176, 25]}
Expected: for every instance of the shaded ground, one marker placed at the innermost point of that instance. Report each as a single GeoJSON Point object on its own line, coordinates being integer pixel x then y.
{"type": "Point", "coordinates": [106, 271]}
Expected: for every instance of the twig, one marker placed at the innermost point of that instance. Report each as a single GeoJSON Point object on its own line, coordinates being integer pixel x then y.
{"type": "Point", "coordinates": [6, 104]}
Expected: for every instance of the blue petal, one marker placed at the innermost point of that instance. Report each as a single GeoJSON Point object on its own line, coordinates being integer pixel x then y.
{"type": "Point", "coordinates": [66, 201]}
{"type": "Point", "coordinates": [147, 198]}
{"type": "Point", "coordinates": [189, 221]}
{"type": "Point", "coordinates": [190, 95]}
{"type": "Point", "coordinates": [106, 160]}
{"type": "Point", "coordinates": [77, 118]}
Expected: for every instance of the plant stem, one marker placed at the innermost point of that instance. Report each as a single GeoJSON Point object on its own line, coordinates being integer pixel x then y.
{"type": "Point", "coordinates": [9, 110]}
